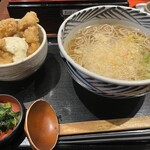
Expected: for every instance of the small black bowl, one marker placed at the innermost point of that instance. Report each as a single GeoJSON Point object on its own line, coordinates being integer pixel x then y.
{"type": "Point", "coordinates": [14, 139]}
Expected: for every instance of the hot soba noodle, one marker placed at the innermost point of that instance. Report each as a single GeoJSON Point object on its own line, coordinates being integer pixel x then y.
{"type": "Point", "coordinates": [111, 50]}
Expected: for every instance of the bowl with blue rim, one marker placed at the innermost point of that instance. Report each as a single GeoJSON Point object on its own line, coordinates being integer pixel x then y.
{"type": "Point", "coordinates": [100, 83]}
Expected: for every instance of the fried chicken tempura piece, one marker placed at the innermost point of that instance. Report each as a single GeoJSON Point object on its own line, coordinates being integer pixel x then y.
{"type": "Point", "coordinates": [8, 27]}
{"type": "Point", "coordinates": [5, 57]}
{"type": "Point", "coordinates": [31, 34]}
{"type": "Point", "coordinates": [30, 19]}
{"type": "Point", "coordinates": [32, 48]}
{"type": "Point", "coordinates": [2, 44]}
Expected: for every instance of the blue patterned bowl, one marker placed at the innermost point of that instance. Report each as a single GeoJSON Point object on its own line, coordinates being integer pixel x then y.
{"type": "Point", "coordinates": [104, 86]}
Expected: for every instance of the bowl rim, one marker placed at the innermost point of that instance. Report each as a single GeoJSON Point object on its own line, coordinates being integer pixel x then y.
{"type": "Point", "coordinates": [33, 54]}
{"type": "Point", "coordinates": [21, 116]}
{"type": "Point", "coordinates": [87, 72]}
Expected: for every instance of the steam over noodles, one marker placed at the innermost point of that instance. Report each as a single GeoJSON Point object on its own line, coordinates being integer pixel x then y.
{"type": "Point", "coordinates": [111, 50]}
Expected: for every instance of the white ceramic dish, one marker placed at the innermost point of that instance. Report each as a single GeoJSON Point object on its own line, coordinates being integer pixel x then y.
{"type": "Point", "coordinates": [95, 83]}
{"type": "Point", "coordinates": [22, 69]}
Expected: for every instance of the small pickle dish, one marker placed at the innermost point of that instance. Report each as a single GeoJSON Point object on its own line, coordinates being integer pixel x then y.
{"type": "Point", "coordinates": [12, 116]}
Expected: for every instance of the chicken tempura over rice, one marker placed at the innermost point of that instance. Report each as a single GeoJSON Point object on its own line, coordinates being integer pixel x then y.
{"type": "Point", "coordinates": [18, 38]}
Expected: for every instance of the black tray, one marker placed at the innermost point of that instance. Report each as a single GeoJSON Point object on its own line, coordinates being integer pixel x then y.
{"type": "Point", "coordinates": [73, 103]}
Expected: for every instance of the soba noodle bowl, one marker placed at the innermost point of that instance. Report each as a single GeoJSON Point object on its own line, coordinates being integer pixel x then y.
{"type": "Point", "coordinates": [111, 50]}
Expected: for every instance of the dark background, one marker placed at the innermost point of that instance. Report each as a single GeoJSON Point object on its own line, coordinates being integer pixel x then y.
{"type": "Point", "coordinates": [51, 13]}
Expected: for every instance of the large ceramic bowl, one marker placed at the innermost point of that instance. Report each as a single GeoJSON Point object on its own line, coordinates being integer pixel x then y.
{"type": "Point", "coordinates": [11, 140]}
{"type": "Point", "coordinates": [22, 69]}
{"type": "Point", "coordinates": [97, 84]}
